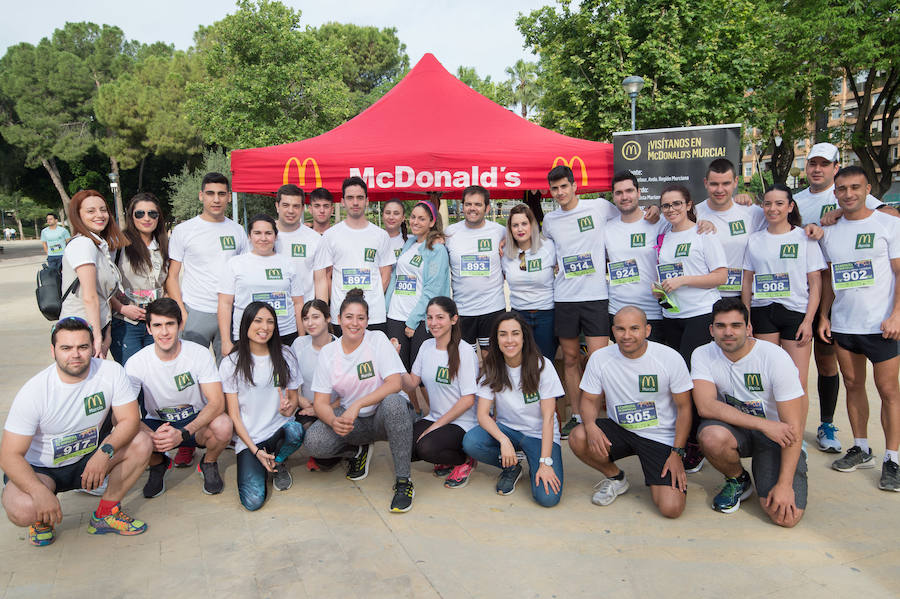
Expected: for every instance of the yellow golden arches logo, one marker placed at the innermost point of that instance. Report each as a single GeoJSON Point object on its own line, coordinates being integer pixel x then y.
{"type": "Point", "coordinates": [301, 171]}
{"type": "Point", "coordinates": [571, 164]}
{"type": "Point", "coordinates": [631, 150]}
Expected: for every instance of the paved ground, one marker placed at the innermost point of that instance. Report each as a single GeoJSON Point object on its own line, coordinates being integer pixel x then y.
{"type": "Point", "coordinates": [329, 537]}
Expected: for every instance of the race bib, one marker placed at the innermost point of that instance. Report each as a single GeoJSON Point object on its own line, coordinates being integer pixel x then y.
{"type": "Point", "coordinates": [773, 285]}
{"type": "Point", "coordinates": [475, 265]}
{"type": "Point", "coordinates": [621, 273]}
{"type": "Point", "coordinates": [670, 271]}
{"type": "Point", "coordinates": [356, 278]}
{"type": "Point", "coordinates": [641, 414]}
{"type": "Point", "coordinates": [578, 266]}
{"type": "Point", "coordinates": [753, 407]}
{"type": "Point", "coordinates": [74, 445]}
{"type": "Point", "coordinates": [142, 297]}
{"type": "Point", "coordinates": [405, 285]}
{"type": "Point", "coordinates": [276, 299]}
{"type": "Point", "coordinates": [735, 278]}
{"type": "Point", "coordinates": [176, 413]}
{"type": "Point", "coordinates": [847, 275]}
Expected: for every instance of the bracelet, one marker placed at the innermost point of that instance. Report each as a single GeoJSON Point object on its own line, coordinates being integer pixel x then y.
{"type": "Point", "coordinates": [257, 451]}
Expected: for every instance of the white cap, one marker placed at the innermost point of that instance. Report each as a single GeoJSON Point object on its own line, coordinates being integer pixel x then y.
{"type": "Point", "coordinates": [824, 150]}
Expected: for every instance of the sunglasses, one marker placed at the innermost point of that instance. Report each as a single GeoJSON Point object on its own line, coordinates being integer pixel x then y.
{"type": "Point", "coordinates": [673, 206]}
{"type": "Point", "coordinates": [141, 213]}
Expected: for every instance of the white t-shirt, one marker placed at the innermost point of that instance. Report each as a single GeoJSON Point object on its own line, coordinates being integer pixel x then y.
{"type": "Point", "coordinates": [687, 253]}
{"type": "Point", "coordinates": [754, 383]}
{"type": "Point", "coordinates": [270, 279]}
{"type": "Point", "coordinates": [260, 401]}
{"type": "Point", "coordinates": [431, 366]}
{"type": "Point", "coordinates": [733, 229]}
{"type": "Point", "coordinates": [356, 256]}
{"type": "Point", "coordinates": [532, 288]}
{"type": "Point", "coordinates": [408, 283]}
{"type": "Point", "coordinates": [579, 236]}
{"type": "Point", "coordinates": [358, 373]}
{"type": "Point", "coordinates": [80, 251]}
{"type": "Point", "coordinates": [64, 420]}
{"type": "Point", "coordinates": [172, 389]}
{"type": "Point", "coordinates": [521, 413]}
{"type": "Point", "coordinates": [631, 251]}
{"type": "Point", "coordinates": [780, 264]}
{"type": "Point", "coordinates": [396, 244]}
{"type": "Point", "coordinates": [639, 390]}
{"type": "Point", "coordinates": [300, 246]}
{"type": "Point", "coordinates": [813, 206]}
{"type": "Point", "coordinates": [203, 247]}
{"type": "Point", "coordinates": [860, 254]}
{"type": "Point", "coordinates": [307, 356]}
{"type": "Point", "coordinates": [475, 272]}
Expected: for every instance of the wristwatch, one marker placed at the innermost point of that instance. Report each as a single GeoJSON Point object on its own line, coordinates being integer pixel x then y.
{"type": "Point", "coordinates": [108, 449]}
{"type": "Point", "coordinates": [185, 435]}
{"type": "Point", "coordinates": [546, 461]}
{"type": "Point", "coordinates": [680, 451]}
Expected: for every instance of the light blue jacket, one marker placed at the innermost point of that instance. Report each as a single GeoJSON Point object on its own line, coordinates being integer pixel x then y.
{"type": "Point", "coordinates": [435, 279]}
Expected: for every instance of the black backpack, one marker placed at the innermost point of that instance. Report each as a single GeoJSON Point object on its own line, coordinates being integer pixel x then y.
{"type": "Point", "coordinates": [48, 290]}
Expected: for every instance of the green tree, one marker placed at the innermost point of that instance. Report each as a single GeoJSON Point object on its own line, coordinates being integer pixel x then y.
{"type": "Point", "coordinates": [526, 91]}
{"type": "Point", "coordinates": [501, 93]}
{"type": "Point", "coordinates": [24, 210]}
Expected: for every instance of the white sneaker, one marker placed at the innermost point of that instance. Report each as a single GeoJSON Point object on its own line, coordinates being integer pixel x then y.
{"type": "Point", "coordinates": [606, 491]}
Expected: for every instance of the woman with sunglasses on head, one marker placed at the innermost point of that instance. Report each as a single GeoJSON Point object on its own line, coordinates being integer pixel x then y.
{"type": "Point", "coordinates": [143, 264]}
{"type": "Point", "coordinates": [87, 261]}
{"type": "Point", "coordinates": [260, 275]}
{"type": "Point", "coordinates": [529, 265]}
{"type": "Point", "coordinates": [260, 378]}
{"type": "Point", "coordinates": [393, 217]}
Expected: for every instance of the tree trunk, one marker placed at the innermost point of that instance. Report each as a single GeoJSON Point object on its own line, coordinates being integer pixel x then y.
{"type": "Point", "coordinates": [782, 159]}
{"type": "Point", "coordinates": [19, 224]}
{"type": "Point", "coordinates": [50, 165]}
{"type": "Point", "coordinates": [141, 175]}
{"type": "Point", "coordinates": [117, 193]}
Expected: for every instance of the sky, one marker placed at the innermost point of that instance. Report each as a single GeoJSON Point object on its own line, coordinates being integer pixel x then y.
{"type": "Point", "coordinates": [480, 34]}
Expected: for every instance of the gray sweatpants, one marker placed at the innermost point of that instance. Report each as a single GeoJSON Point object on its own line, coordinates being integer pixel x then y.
{"type": "Point", "coordinates": [203, 328]}
{"type": "Point", "coordinates": [392, 421]}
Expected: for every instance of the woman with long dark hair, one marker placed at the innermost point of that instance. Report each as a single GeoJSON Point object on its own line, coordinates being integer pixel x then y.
{"type": "Point", "coordinates": [522, 387]}
{"type": "Point", "coordinates": [143, 264]}
{"type": "Point", "coordinates": [260, 378]}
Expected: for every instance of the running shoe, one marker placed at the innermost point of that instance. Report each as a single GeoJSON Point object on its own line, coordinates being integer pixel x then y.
{"type": "Point", "coordinates": [853, 459]}
{"type": "Point", "coordinates": [40, 534]}
{"type": "Point", "coordinates": [156, 482]}
{"type": "Point", "coordinates": [606, 491]}
{"type": "Point", "coordinates": [506, 482]}
{"type": "Point", "coordinates": [117, 522]}
{"type": "Point", "coordinates": [890, 476]}
{"type": "Point", "coordinates": [358, 468]}
{"type": "Point", "coordinates": [442, 470]}
{"type": "Point", "coordinates": [281, 478]}
{"type": "Point", "coordinates": [826, 438]}
{"type": "Point", "coordinates": [693, 459]}
{"type": "Point", "coordinates": [212, 481]}
{"type": "Point", "coordinates": [567, 428]}
{"type": "Point", "coordinates": [184, 457]}
{"type": "Point", "coordinates": [459, 478]}
{"type": "Point", "coordinates": [736, 489]}
{"type": "Point", "coordinates": [403, 496]}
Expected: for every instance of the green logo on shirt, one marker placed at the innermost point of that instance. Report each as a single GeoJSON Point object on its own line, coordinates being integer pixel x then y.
{"type": "Point", "coordinates": [442, 375]}
{"type": "Point", "coordinates": [298, 250]}
{"type": "Point", "coordinates": [532, 397]}
{"type": "Point", "coordinates": [227, 242]}
{"type": "Point", "coordinates": [788, 250]}
{"type": "Point", "coordinates": [865, 241]}
{"type": "Point", "coordinates": [273, 274]}
{"type": "Point", "coordinates": [397, 252]}
{"type": "Point", "coordinates": [365, 370]}
{"type": "Point", "coordinates": [369, 254]}
{"type": "Point", "coordinates": [416, 260]}
{"type": "Point", "coordinates": [682, 249]}
{"type": "Point", "coordinates": [485, 245]}
{"type": "Point", "coordinates": [94, 403]}
{"type": "Point", "coordinates": [753, 381]}
{"type": "Point", "coordinates": [585, 223]}
{"type": "Point", "coordinates": [737, 227]}
{"type": "Point", "coordinates": [638, 240]}
{"type": "Point", "coordinates": [826, 209]}
{"type": "Point", "coordinates": [534, 265]}
{"type": "Point", "coordinates": [183, 381]}
{"type": "Point", "coordinates": [648, 383]}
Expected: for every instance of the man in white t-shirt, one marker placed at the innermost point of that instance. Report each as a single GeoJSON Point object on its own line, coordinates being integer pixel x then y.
{"type": "Point", "coordinates": [295, 240]}
{"type": "Point", "coordinates": [56, 439]}
{"type": "Point", "coordinates": [749, 395]}
{"type": "Point", "coordinates": [646, 388]}
{"type": "Point", "coordinates": [182, 395]}
{"type": "Point", "coordinates": [863, 296]}
{"type": "Point", "coordinates": [354, 253]}
{"type": "Point", "coordinates": [321, 206]}
{"type": "Point", "coordinates": [54, 237]}
{"type": "Point", "coordinates": [202, 245]}
{"type": "Point", "coordinates": [476, 275]}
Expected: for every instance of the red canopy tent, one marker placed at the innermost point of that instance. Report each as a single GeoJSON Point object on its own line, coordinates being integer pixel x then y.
{"type": "Point", "coordinates": [431, 132]}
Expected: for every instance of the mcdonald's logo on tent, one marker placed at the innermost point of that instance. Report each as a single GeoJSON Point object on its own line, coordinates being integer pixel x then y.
{"type": "Point", "coordinates": [301, 171]}
{"type": "Point", "coordinates": [571, 164]}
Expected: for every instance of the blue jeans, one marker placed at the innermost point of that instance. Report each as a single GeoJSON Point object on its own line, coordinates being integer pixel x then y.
{"type": "Point", "coordinates": [541, 323]}
{"type": "Point", "coordinates": [55, 261]}
{"type": "Point", "coordinates": [252, 476]}
{"type": "Point", "coordinates": [479, 444]}
{"type": "Point", "coordinates": [128, 339]}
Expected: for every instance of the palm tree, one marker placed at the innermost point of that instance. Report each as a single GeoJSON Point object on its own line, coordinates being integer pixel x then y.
{"type": "Point", "coordinates": [523, 77]}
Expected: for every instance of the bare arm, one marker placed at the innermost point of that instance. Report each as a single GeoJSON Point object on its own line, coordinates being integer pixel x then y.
{"type": "Point", "coordinates": [746, 288]}
{"type": "Point", "coordinates": [298, 310]}
{"type": "Point", "coordinates": [223, 315]}
{"type": "Point", "coordinates": [708, 406]}
{"type": "Point", "coordinates": [323, 284]}
{"type": "Point", "coordinates": [215, 405]}
{"type": "Point", "coordinates": [486, 421]}
{"type": "Point", "coordinates": [87, 279]}
{"type": "Point", "coordinates": [385, 277]}
{"type": "Point", "coordinates": [173, 288]}
{"type": "Point", "coordinates": [13, 448]}
{"type": "Point", "coordinates": [825, 304]}
{"type": "Point", "coordinates": [890, 328]}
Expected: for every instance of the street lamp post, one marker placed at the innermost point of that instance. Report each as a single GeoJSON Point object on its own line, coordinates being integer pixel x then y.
{"type": "Point", "coordinates": [117, 197]}
{"type": "Point", "coordinates": [633, 86]}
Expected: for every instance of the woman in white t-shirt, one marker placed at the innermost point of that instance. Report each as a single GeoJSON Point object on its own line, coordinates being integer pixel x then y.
{"type": "Point", "coordinates": [260, 379]}
{"type": "Point", "coordinates": [782, 279]}
{"type": "Point", "coordinates": [260, 275]}
{"type": "Point", "coordinates": [529, 266]}
{"type": "Point", "coordinates": [521, 386]}
{"type": "Point", "coordinates": [363, 368]}
{"type": "Point", "coordinates": [448, 368]}
{"type": "Point", "coordinates": [393, 217]}
{"type": "Point", "coordinates": [86, 260]}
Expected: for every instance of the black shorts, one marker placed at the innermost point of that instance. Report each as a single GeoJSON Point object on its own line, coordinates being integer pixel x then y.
{"type": "Point", "coordinates": [875, 347]}
{"type": "Point", "coordinates": [775, 318]}
{"type": "Point", "coordinates": [154, 424]}
{"type": "Point", "coordinates": [656, 330]}
{"type": "Point", "coordinates": [652, 454]}
{"type": "Point", "coordinates": [571, 319]}
{"type": "Point", "coordinates": [66, 478]}
{"type": "Point", "coordinates": [478, 328]}
{"type": "Point", "coordinates": [765, 460]}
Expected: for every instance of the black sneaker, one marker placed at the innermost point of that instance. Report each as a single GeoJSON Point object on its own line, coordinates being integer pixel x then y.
{"type": "Point", "coordinates": [403, 496]}
{"type": "Point", "coordinates": [853, 459]}
{"type": "Point", "coordinates": [212, 482]}
{"type": "Point", "coordinates": [358, 467]}
{"type": "Point", "coordinates": [281, 478]}
{"type": "Point", "coordinates": [693, 459]}
{"type": "Point", "coordinates": [506, 483]}
{"type": "Point", "coordinates": [156, 482]}
{"type": "Point", "coordinates": [890, 476]}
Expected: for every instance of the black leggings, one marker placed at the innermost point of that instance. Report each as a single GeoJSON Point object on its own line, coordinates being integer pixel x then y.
{"type": "Point", "coordinates": [684, 335]}
{"type": "Point", "coordinates": [441, 446]}
{"type": "Point", "coordinates": [409, 347]}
